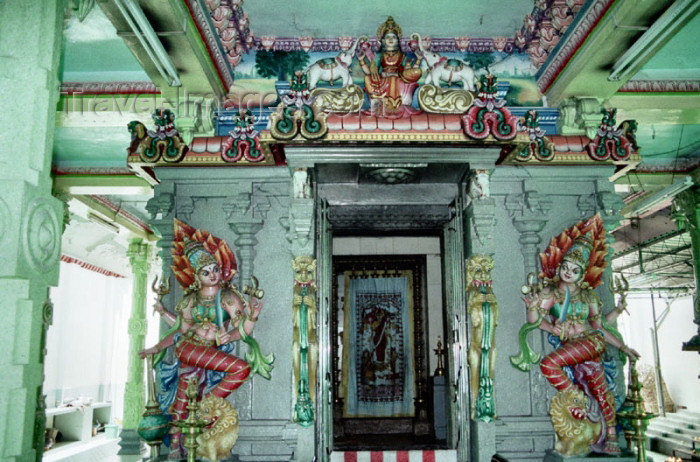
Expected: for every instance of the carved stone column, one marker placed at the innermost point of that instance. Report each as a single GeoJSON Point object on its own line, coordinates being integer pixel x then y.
{"type": "Point", "coordinates": [529, 212]}
{"type": "Point", "coordinates": [134, 406]}
{"type": "Point", "coordinates": [246, 229]}
{"type": "Point", "coordinates": [687, 215]}
{"type": "Point", "coordinates": [31, 220]}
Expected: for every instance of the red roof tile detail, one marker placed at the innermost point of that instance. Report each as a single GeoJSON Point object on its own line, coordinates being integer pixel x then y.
{"type": "Point", "coordinates": [436, 122]}
{"type": "Point", "coordinates": [214, 143]}
{"type": "Point", "coordinates": [420, 121]}
{"type": "Point", "coordinates": [334, 122]}
{"type": "Point", "coordinates": [351, 122]}
{"type": "Point", "coordinates": [569, 143]}
{"type": "Point", "coordinates": [402, 124]}
{"type": "Point", "coordinates": [368, 122]}
{"type": "Point", "coordinates": [453, 122]}
{"type": "Point", "coordinates": [384, 123]}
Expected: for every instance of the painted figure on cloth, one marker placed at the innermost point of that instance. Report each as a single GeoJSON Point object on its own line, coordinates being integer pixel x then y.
{"type": "Point", "coordinates": [210, 316]}
{"type": "Point", "coordinates": [566, 307]}
{"type": "Point", "coordinates": [391, 78]}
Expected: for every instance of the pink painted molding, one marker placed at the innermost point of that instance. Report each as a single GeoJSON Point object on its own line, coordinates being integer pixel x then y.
{"type": "Point", "coordinates": [209, 35]}
{"type": "Point", "coordinates": [660, 86]}
{"type": "Point", "coordinates": [121, 212]}
{"type": "Point", "coordinates": [91, 267]}
{"type": "Point", "coordinates": [571, 43]}
{"type": "Point", "coordinates": [109, 88]}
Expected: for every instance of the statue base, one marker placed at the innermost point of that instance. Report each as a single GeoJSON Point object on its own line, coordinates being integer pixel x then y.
{"type": "Point", "coordinates": [553, 456]}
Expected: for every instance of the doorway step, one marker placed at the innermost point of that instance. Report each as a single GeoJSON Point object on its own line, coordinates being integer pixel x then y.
{"type": "Point", "coordinates": [675, 434]}
{"type": "Point", "coordinates": [444, 455]}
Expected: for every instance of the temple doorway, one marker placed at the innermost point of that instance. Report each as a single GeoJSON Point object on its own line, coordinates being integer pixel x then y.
{"type": "Point", "coordinates": [386, 306]}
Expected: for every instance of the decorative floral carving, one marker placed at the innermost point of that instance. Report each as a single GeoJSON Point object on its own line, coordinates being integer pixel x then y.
{"type": "Point", "coordinates": [439, 100]}
{"type": "Point", "coordinates": [42, 237]}
{"type": "Point", "coordinates": [295, 113]}
{"type": "Point", "coordinates": [539, 146]}
{"type": "Point", "coordinates": [243, 140]}
{"type": "Point", "coordinates": [163, 142]}
{"type": "Point", "coordinates": [611, 142]}
{"type": "Point", "coordinates": [488, 116]}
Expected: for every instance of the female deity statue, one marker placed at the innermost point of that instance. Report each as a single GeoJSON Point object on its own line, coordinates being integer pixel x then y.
{"type": "Point", "coordinates": [391, 80]}
{"type": "Point", "coordinates": [566, 307]}
{"type": "Point", "coordinates": [210, 316]}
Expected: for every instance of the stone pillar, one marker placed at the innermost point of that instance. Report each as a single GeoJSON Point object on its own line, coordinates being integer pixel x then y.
{"type": "Point", "coordinates": [134, 406]}
{"type": "Point", "coordinates": [481, 213]}
{"type": "Point", "coordinates": [31, 220]}
{"type": "Point", "coordinates": [246, 229]}
{"type": "Point", "coordinates": [687, 215]}
{"type": "Point", "coordinates": [529, 211]}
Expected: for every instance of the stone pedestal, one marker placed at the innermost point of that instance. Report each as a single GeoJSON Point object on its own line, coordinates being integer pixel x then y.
{"type": "Point", "coordinates": [483, 444]}
{"type": "Point", "coordinates": [553, 456]}
{"type": "Point", "coordinates": [439, 408]}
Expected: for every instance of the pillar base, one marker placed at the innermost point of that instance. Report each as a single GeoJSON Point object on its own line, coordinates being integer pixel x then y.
{"type": "Point", "coordinates": [483, 440]}
{"type": "Point", "coordinates": [553, 456]}
{"type": "Point", "coordinates": [130, 443]}
{"type": "Point", "coordinates": [693, 344]}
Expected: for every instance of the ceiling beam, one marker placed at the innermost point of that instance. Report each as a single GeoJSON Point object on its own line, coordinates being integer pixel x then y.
{"type": "Point", "coordinates": [587, 71]}
{"type": "Point", "coordinates": [179, 36]}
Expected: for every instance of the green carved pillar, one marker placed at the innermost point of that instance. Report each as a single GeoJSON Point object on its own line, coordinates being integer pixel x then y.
{"type": "Point", "coordinates": [687, 216]}
{"type": "Point", "coordinates": [130, 443]}
{"type": "Point", "coordinates": [31, 220]}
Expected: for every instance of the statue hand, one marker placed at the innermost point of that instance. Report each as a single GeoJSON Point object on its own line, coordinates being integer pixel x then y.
{"type": "Point", "coordinates": [374, 71]}
{"type": "Point", "coordinates": [158, 307]}
{"type": "Point", "coordinates": [631, 352]}
{"type": "Point", "coordinates": [223, 337]}
{"type": "Point", "coordinates": [147, 351]}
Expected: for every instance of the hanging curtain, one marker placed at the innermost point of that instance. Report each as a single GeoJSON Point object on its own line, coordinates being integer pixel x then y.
{"type": "Point", "coordinates": [378, 365]}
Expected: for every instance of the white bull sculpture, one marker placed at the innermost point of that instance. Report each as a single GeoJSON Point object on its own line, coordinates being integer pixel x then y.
{"type": "Point", "coordinates": [442, 69]}
{"type": "Point", "coordinates": [331, 69]}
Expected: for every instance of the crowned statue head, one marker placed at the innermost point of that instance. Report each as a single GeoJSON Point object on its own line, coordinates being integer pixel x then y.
{"type": "Point", "coordinates": [389, 34]}
{"type": "Point", "coordinates": [198, 256]}
{"type": "Point", "coordinates": [580, 251]}
{"type": "Point", "coordinates": [576, 260]}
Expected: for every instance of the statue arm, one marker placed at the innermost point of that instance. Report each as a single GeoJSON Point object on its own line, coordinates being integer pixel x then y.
{"type": "Point", "coordinates": [240, 312]}
{"type": "Point", "coordinates": [614, 340]}
{"type": "Point", "coordinates": [612, 316]}
{"type": "Point", "coordinates": [181, 323]}
{"type": "Point", "coordinates": [167, 316]}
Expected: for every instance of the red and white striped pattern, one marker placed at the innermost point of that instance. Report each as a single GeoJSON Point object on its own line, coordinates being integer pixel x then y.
{"type": "Point", "coordinates": [395, 456]}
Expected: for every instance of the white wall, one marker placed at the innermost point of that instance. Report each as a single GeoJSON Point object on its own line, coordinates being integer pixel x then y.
{"type": "Point", "coordinates": [428, 246]}
{"type": "Point", "coordinates": [680, 369]}
{"type": "Point", "coordinates": [88, 342]}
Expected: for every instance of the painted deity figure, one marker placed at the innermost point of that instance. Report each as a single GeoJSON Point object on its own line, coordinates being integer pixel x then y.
{"type": "Point", "coordinates": [566, 307]}
{"type": "Point", "coordinates": [483, 312]}
{"type": "Point", "coordinates": [211, 315]}
{"type": "Point", "coordinates": [392, 78]}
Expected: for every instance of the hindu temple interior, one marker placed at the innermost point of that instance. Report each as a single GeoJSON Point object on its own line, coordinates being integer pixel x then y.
{"type": "Point", "coordinates": [434, 151]}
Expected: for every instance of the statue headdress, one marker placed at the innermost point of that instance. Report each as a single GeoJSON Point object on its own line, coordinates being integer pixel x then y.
{"type": "Point", "coordinates": [194, 249]}
{"type": "Point", "coordinates": [583, 244]}
{"type": "Point", "coordinates": [197, 255]}
{"type": "Point", "coordinates": [388, 26]}
{"type": "Point", "coordinates": [580, 251]}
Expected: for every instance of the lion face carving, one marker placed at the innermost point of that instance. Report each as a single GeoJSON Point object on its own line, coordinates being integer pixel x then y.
{"type": "Point", "coordinates": [217, 440]}
{"type": "Point", "coordinates": [575, 432]}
